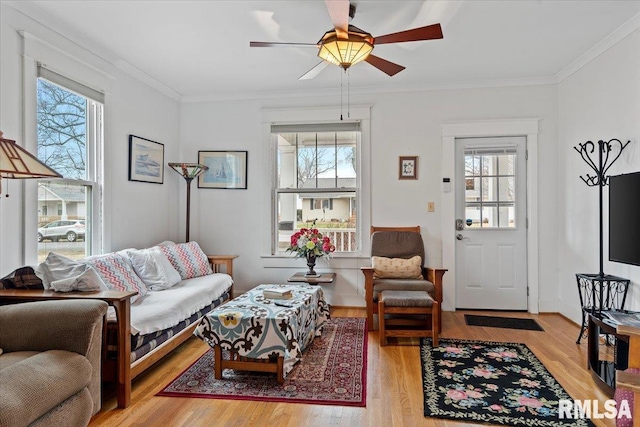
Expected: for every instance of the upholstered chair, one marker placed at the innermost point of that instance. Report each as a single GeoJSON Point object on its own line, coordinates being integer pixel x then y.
{"type": "Point", "coordinates": [50, 362]}
{"type": "Point", "coordinates": [395, 267]}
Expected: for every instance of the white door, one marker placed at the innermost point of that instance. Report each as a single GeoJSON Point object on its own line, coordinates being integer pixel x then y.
{"type": "Point", "coordinates": [491, 246]}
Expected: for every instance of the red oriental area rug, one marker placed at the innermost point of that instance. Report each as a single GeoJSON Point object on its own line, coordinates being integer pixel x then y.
{"type": "Point", "coordinates": [333, 371]}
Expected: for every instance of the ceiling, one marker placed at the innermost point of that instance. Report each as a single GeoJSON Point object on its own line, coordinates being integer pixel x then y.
{"type": "Point", "coordinates": [200, 49]}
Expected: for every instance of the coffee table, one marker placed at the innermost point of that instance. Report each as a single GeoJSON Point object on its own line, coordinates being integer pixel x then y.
{"type": "Point", "coordinates": [253, 333]}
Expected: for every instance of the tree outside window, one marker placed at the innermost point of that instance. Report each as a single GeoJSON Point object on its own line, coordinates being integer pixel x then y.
{"type": "Point", "coordinates": [64, 121]}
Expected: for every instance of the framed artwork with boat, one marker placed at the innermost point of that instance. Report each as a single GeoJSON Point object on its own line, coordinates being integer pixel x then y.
{"type": "Point", "coordinates": [227, 169]}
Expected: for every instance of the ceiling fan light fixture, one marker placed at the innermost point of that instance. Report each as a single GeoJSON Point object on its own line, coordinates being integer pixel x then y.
{"type": "Point", "coordinates": [345, 52]}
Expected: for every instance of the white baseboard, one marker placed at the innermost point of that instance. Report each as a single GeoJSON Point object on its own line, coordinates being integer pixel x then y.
{"type": "Point", "coordinates": [549, 306]}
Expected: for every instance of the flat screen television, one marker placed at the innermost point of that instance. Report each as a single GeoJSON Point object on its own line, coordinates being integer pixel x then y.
{"type": "Point", "coordinates": [624, 218]}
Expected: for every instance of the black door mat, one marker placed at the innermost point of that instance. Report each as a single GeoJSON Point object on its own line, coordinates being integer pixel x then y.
{"type": "Point", "coordinates": [502, 322]}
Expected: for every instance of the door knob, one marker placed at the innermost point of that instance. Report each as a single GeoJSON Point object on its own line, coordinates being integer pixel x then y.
{"type": "Point", "coordinates": [459, 236]}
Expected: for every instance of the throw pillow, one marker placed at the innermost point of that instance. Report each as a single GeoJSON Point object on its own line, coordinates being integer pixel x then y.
{"type": "Point", "coordinates": [153, 268]}
{"type": "Point", "coordinates": [117, 274]}
{"type": "Point", "coordinates": [188, 259]}
{"type": "Point", "coordinates": [396, 268]}
{"type": "Point", "coordinates": [63, 274]}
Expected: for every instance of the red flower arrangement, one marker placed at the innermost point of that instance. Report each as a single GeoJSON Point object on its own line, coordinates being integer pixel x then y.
{"type": "Point", "coordinates": [310, 242]}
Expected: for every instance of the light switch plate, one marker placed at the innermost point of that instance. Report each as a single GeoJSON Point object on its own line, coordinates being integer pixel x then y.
{"type": "Point", "coordinates": [431, 207]}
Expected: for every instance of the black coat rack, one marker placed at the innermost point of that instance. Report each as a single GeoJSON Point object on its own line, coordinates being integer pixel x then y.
{"type": "Point", "coordinates": [606, 158]}
{"type": "Point", "coordinates": [600, 291]}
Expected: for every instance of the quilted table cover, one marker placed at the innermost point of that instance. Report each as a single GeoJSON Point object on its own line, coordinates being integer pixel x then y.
{"type": "Point", "coordinates": [255, 327]}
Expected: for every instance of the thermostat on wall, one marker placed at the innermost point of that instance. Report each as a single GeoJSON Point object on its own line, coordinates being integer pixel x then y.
{"type": "Point", "coordinates": [446, 185]}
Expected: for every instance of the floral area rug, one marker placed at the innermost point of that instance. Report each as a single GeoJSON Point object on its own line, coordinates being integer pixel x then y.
{"type": "Point", "coordinates": [490, 382]}
{"type": "Point", "coordinates": [333, 371]}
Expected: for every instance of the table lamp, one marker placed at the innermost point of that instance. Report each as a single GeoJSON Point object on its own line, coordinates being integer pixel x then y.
{"type": "Point", "coordinates": [18, 163]}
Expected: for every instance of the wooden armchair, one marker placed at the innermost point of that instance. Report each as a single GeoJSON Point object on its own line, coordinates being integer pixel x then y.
{"type": "Point", "coordinates": [406, 243]}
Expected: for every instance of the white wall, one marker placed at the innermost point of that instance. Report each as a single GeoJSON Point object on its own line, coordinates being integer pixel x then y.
{"type": "Point", "coordinates": [402, 124]}
{"type": "Point", "coordinates": [599, 102]}
{"type": "Point", "coordinates": [136, 214]}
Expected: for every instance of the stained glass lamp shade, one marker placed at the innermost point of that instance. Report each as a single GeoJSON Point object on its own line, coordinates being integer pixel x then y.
{"type": "Point", "coordinates": [18, 163]}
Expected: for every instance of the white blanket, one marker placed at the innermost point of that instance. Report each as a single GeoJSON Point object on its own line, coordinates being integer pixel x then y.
{"type": "Point", "coordinates": [63, 274]}
{"type": "Point", "coordinates": [160, 310]}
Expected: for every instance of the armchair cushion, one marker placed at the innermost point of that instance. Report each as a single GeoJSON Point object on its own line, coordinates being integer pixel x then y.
{"type": "Point", "coordinates": [397, 268]}
{"type": "Point", "coordinates": [31, 387]}
{"type": "Point", "coordinates": [397, 244]}
{"type": "Point", "coordinates": [380, 285]}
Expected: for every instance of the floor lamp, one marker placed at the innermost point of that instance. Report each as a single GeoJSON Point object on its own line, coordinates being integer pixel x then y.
{"type": "Point", "coordinates": [189, 171]}
{"type": "Point", "coordinates": [18, 163]}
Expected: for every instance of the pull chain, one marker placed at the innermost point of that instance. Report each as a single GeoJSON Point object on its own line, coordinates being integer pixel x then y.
{"type": "Point", "coordinates": [348, 93]}
{"type": "Point", "coordinates": [340, 96]}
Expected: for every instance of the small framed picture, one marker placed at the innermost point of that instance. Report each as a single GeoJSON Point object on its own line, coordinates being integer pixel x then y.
{"type": "Point", "coordinates": [227, 169]}
{"type": "Point", "coordinates": [146, 160]}
{"type": "Point", "coordinates": [408, 167]}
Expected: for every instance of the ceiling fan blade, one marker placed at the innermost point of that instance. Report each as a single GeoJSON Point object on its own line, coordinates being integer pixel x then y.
{"type": "Point", "coordinates": [430, 32]}
{"type": "Point", "coordinates": [314, 71]}
{"type": "Point", "coordinates": [278, 44]}
{"type": "Point", "coordinates": [339, 13]}
{"type": "Point", "coordinates": [383, 65]}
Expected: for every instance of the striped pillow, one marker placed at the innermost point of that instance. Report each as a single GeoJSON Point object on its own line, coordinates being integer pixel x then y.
{"type": "Point", "coordinates": [188, 259]}
{"type": "Point", "coordinates": [116, 272]}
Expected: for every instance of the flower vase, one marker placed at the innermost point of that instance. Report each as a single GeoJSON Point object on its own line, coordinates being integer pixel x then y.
{"type": "Point", "coordinates": [311, 263]}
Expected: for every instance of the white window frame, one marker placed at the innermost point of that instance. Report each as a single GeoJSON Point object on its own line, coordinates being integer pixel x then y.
{"type": "Point", "coordinates": [315, 115]}
{"type": "Point", "coordinates": [489, 128]}
{"type": "Point", "coordinates": [35, 52]}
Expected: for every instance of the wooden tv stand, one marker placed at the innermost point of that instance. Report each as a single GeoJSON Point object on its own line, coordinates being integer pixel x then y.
{"type": "Point", "coordinates": [603, 371]}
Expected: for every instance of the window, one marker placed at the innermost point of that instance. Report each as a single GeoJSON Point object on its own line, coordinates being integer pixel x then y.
{"type": "Point", "coordinates": [317, 182]}
{"type": "Point", "coordinates": [490, 188]}
{"type": "Point", "coordinates": [69, 135]}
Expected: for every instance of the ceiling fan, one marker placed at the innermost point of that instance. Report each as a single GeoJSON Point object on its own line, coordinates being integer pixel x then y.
{"type": "Point", "coordinates": [346, 44]}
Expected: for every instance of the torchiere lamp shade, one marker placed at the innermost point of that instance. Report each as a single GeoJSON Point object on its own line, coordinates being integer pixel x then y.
{"type": "Point", "coordinates": [189, 171]}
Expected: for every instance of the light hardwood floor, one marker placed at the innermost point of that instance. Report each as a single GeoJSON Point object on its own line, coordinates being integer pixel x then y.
{"type": "Point", "coordinates": [394, 391]}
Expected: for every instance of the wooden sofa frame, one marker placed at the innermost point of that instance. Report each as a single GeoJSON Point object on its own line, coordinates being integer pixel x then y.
{"type": "Point", "coordinates": [121, 371]}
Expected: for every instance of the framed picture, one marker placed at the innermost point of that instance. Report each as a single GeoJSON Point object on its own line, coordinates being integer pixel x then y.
{"type": "Point", "coordinates": [227, 169]}
{"type": "Point", "coordinates": [146, 160]}
{"type": "Point", "coordinates": [408, 167]}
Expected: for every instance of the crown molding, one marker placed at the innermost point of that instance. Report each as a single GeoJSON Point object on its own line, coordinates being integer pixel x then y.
{"type": "Point", "coordinates": [361, 90]}
{"type": "Point", "coordinates": [605, 44]}
{"type": "Point", "coordinates": [33, 13]}
{"type": "Point", "coordinates": [37, 15]}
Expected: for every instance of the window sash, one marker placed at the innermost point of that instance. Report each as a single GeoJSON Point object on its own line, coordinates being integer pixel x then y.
{"type": "Point", "coordinates": [70, 84]}
{"type": "Point", "coordinates": [93, 157]}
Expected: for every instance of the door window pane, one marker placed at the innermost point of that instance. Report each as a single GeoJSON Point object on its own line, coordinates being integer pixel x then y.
{"type": "Point", "coordinates": [490, 189]}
